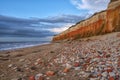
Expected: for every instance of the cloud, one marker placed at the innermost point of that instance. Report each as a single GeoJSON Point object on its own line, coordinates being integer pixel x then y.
{"type": "Point", "coordinates": [36, 27]}
{"type": "Point", "coordinates": [62, 19]}
{"type": "Point", "coordinates": [91, 5]}
{"type": "Point", "coordinates": [61, 29]}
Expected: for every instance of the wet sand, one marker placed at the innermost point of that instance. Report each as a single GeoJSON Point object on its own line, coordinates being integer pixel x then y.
{"type": "Point", "coordinates": [93, 58]}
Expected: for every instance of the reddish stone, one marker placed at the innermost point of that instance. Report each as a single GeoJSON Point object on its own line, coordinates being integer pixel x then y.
{"type": "Point", "coordinates": [50, 73]}
{"type": "Point", "coordinates": [99, 75]}
{"type": "Point", "coordinates": [109, 70]}
{"type": "Point", "coordinates": [41, 78]}
{"type": "Point", "coordinates": [111, 78]}
{"type": "Point", "coordinates": [31, 78]}
{"type": "Point", "coordinates": [88, 60]}
{"type": "Point", "coordinates": [66, 70]}
{"type": "Point", "coordinates": [98, 56]}
{"type": "Point", "coordinates": [76, 64]}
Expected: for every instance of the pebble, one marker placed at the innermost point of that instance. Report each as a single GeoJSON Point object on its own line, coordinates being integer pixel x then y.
{"type": "Point", "coordinates": [39, 76]}
{"type": "Point", "coordinates": [31, 78]}
{"type": "Point", "coordinates": [104, 74]}
{"type": "Point", "coordinates": [111, 78]}
{"type": "Point", "coordinates": [21, 60]}
{"type": "Point", "coordinates": [66, 70]}
{"type": "Point", "coordinates": [10, 65]}
{"type": "Point", "coordinates": [50, 73]}
{"type": "Point", "coordinates": [77, 68]}
{"type": "Point", "coordinates": [68, 66]}
{"type": "Point", "coordinates": [112, 74]}
{"type": "Point", "coordinates": [76, 64]}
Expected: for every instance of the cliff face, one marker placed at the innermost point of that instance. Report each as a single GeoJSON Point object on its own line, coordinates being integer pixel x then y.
{"type": "Point", "coordinates": [100, 23]}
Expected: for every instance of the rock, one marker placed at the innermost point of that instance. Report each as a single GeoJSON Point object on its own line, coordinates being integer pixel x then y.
{"type": "Point", "coordinates": [66, 70]}
{"type": "Point", "coordinates": [18, 78]}
{"type": "Point", "coordinates": [108, 55]}
{"type": "Point", "coordinates": [111, 78]}
{"type": "Point", "coordinates": [68, 66]}
{"type": "Point", "coordinates": [48, 78]}
{"type": "Point", "coordinates": [31, 78]}
{"type": "Point", "coordinates": [33, 68]}
{"type": "Point", "coordinates": [109, 70]}
{"type": "Point", "coordinates": [77, 68]}
{"type": "Point", "coordinates": [10, 65]}
{"type": "Point", "coordinates": [76, 64]}
{"type": "Point", "coordinates": [21, 60]}
{"type": "Point", "coordinates": [112, 74]}
{"type": "Point", "coordinates": [100, 52]}
{"type": "Point", "coordinates": [104, 74]}
{"type": "Point", "coordinates": [39, 77]}
{"type": "Point", "coordinates": [93, 79]}
{"type": "Point", "coordinates": [103, 78]}
{"type": "Point", "coordinates": [87, 74]}
{"type": "Point", "coordinates": [50, 73]}
{"type": "Point", "coordinates": [19, 69]}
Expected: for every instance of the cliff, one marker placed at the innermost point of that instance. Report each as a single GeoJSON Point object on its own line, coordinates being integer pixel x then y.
{"type": "Point", "coordinates": [100, 23]}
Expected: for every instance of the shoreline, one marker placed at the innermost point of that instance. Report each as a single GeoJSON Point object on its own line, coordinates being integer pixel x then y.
{"type": "Point", "coordinates": [70, 60]}
{"type": "Point", "coordinates": [25, 46]}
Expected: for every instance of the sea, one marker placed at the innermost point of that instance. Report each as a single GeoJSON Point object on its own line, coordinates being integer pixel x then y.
{"type": "Point", "coordinates": [17, 45]}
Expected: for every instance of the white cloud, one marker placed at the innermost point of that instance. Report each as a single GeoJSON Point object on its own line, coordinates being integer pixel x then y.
{"type": "Point", "coordinates": [60, 29]}
{"type": "Point", "coordinates": [91, 5]}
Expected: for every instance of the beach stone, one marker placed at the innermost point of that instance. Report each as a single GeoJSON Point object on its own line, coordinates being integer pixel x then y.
{"type": "Point", "coordinates": [21, 60]}
{"type": "Point", "coordinates": [50, 73]}
{"type": "Point", "coordinates": [68, 66]}
{"type": "Point", "coordinates": [111, 78]}
{"type": "Point", "coordinates": [104, 74]}
{"type": "Point", "coordinates": [19, 69]}
{"type": "Point", "coordinates": [103, 78]}
{"type": "Point", "coordinates": [31, 78]}
{"type": "Point", "coordinates": [108, 55]}
{"type": "Point", "coordinates": [76, 64]}
{"type": "Point", "coordinates": [93, 78]}
{"type": "Point", "coordinates": [112, 74]}
{"type": "Point", "coordinates": [77, 68]}
{"type": "Point", "coordinates": [48, 78]}
{"type": "Point", "coordinates": [39, 76]}
{"type": "Point", "coordinates": [66, 70]}
{"type": "Point", "coordinates": [33, 68]}
{"type": "Point", "coordinates": [10, 65]}
{"type": "Point", "coordinates": [17, 79]}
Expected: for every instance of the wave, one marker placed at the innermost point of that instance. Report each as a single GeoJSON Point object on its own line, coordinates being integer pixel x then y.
{"type": "Point", "coordinates": [17, 45]}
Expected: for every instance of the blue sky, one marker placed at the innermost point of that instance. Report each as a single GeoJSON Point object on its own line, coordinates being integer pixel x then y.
{"type": "Point", "coordinates": [34, 20]}
{"type": "Point", "coordinates": [37, 8]}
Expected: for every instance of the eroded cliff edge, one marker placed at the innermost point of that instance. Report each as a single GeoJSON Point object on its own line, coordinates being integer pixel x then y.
{"type": "Point", "coordinates": [100, 23]}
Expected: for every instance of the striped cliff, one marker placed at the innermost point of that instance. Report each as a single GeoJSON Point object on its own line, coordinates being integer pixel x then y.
{"type": "Point", "coordinates": [106, 21]}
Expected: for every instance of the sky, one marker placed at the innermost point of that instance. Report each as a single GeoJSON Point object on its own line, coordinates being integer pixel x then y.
{"type": "Point", "coordinates": [40, 20]}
